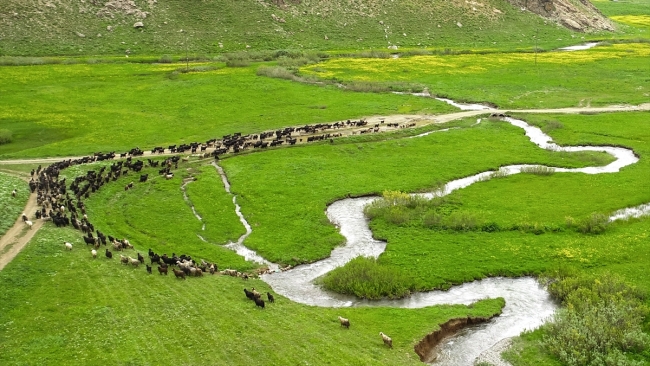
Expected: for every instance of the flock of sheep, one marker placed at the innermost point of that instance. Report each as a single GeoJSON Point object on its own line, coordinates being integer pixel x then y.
{"type": "Point", "coordinates": [56, 202]}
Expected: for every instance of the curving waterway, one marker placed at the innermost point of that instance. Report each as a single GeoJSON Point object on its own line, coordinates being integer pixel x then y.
{"type": "Point", "coordinates": [528, 305]}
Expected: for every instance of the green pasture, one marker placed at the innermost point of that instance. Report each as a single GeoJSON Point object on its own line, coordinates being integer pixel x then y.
{"type": "Point", "coordinates": [613, 74]}
{"type": "Point", "coordinates": [623, 7]}
{"type": "Point", "coordinates": [11, 207]}
{"type": "Point", "coordinates": [62, 307]}
{"type": "Point", "coordinates": [284, 192]}
{"type": "Point", "coordinates": [532, 213]}
{"type": "Point", "coordinates": [62, 110]}
{"type": "Point", "coordinates": [155, 215]}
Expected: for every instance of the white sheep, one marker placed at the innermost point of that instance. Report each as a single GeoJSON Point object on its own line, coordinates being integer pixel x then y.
{"type": "Point", "coordinates": [29, 223]}
{"type": "Point", "coordinates": [134, 262]}
{"type": "Point", "coordinates": [13, 193]}
{"type": "Point", "coordinates": [68, 246]}
{"type": "Point", "coordinates": [169, 176]}
{"type": "Point", "coordinates": [386, 339]}
{"type": "Point", "coordinates": [93, 253]}
{"type": "Point", "coordinates": [344, 322]}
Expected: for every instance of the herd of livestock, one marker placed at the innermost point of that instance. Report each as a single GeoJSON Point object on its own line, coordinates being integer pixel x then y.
{"type": "Point", "coordinates": [62, 202]}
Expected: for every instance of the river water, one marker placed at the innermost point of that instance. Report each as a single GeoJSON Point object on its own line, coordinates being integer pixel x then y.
{"type": "Point", "coordinates": [528, 305]}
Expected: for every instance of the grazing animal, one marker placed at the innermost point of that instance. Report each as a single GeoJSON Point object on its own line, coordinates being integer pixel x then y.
{"type": "Point", "coordinates": [108, 254]}
{"type": "Point", "coordinates": [387, 340]}
{"type": "Point", "coordinates": [148, 268]}
{"type": "Point", "coordinates": [24, 217]}
{"type": "Point", "coordinates": [93, 253]}
{"type": "Point", "coordinates": [162, 270]}
{"type": "Point", "coordinates": [344, 322]}
{"type": "Point", "coordinates": [29, 223]}
{"type": "Point", "coordinates": [123, 259]}
{"type": "Point", "coordinates": [13, 193]}
{"type": "Point", "coordinates": [140, 258]}
{"type": "Point", "coordinates": [179, 274]}
{"type": "Point", "coordinates": [134, 262]}
{"type": "Point", "coordinates": [255, 293]}
{"type": "Point", "coordinates": [259, 302]}
{"type": "Point", "coordinates": [249, 295]}
{"type": "Point", "coordinates": [270, 297]}
{"type": "Point", "coordinates": [68, 246]}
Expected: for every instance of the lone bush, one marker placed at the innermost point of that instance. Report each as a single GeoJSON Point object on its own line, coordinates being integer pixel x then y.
{"type": "Point", "coordinates": [165, 59]}
{"type": "Point", "coordinates": [594, 224]}
{"type": "Point", "coordinates": [365, 278]}
{"type": "Point", "coordinates": [5, 136]}
{"type": "Point", "coordinates": [602, 322]}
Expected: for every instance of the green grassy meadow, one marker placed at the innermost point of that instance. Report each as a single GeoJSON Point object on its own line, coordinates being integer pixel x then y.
{"type": "Point", "coordinates": [611, 74]}
{"type": "Point", "coordinates": [63, 307]}
{"type": "Point", "coordinates": [77, 78]}
{"type": "Point", "coordinates": [11, 207]}
{"type": "Point", "coordinates": [61, 110]}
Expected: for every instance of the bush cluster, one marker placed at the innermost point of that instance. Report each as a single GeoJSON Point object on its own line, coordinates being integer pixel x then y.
{"type": "Point", "coordinates": [365, 278]}
{"type": "Point", "coordinates": [601, 323]}
{"type": "Point", "coordinates": [5, 136]}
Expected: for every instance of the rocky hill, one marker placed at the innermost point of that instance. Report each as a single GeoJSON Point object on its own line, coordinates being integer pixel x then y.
{"type": "Point", "coordinates": [71, 27]}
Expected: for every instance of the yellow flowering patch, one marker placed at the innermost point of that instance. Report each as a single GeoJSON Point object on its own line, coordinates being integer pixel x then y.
{"type": "Point", "coordinates": [406, 68]}
{"type": "Point", "coordinates": [638, 20]}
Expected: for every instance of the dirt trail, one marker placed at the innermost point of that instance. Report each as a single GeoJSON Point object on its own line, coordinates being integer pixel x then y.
{"type": "Point", "coordinates": [18, 235]}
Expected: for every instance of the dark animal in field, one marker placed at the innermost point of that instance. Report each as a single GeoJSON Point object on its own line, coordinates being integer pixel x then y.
{"type": "Point", "coordinates": [89, 240]}
{"type": "Point", "coordinates": [259, 302]}
{"type": "Point", "coordinates": [24, 217]}
{"type": "Point", "coordinates": [162, 270]}
{"type": "Point", "coordinates": [140, 258]}
{"type": "Point", "coordinates": [344, 322]}
{"type": "Point", "coordinates": [270, 297]}
{"type": "Point", "coordinates": [13, 193]}
{"type": "Point", "coordinates": [148, 268]}
{"type": "Point", "coordinates": [108, 254]}
{"type": "Point", "coordinates": [144, 177]}
{"type": "Point", "coordinates": [249, 294]}
{"type": "Point", "coordinates": [179, 274]}
{"type": "Point", "coordinates": [255, 293]}
{"type": "Point", "coordinates": [387, 340]}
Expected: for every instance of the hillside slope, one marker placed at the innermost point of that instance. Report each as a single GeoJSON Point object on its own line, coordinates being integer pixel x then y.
{"type": "Point", "coordinates": [73, 27]}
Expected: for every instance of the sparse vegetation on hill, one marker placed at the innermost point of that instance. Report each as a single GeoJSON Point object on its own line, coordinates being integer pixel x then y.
{"type": "Point", "coordinates": [172, 27]}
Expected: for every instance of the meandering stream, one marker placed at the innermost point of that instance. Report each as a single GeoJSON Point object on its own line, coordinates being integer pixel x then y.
{"type": "Point", "coordinates": [528, 305]}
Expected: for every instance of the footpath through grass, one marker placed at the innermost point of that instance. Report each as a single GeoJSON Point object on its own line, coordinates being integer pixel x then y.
{"type": "Point", "coordinates": [62, 307]}
{"type": "Point", "coordinates": [614, 74]}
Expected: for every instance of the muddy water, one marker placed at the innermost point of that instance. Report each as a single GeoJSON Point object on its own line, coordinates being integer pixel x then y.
{"type": "Point", "coordinates": [527, 304]}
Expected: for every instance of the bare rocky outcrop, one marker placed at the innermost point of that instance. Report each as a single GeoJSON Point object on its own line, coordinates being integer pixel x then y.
{"type": "Point", "coordinates": [578, 15]}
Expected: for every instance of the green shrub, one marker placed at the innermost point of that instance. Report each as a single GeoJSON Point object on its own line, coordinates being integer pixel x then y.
{"type": "Point", "coordinates": [601, 322]}
{"type": "Point", "coordinates": [365, 278]}
{"type": "Point", "coordinates": [594, 224]}
{"type": "Point", "coordinates": [462, 221]}
{"type": "Point", "coordinates": [277, 72]}
{"type": "Point", "coordinates": [238, 63]}
{"type": "Point", "coordinates": [165, 59]}
{"type": "Point", "coordinates": [5, 136]}
{"type": "Point", "coordinates": [538, 170]}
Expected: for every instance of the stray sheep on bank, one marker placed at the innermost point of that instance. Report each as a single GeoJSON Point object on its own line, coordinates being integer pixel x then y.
{"type": "Point", "coordinates": [387, 340]}
{"type": "Point", "coordinates": [93, 253]}
{"type": "Point", "coordinates": [344, 322]}
{"type": "Point", "coordinates": [68, 246]}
